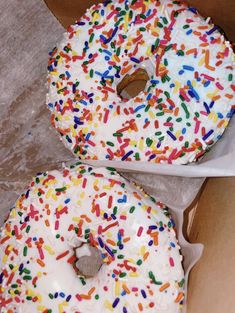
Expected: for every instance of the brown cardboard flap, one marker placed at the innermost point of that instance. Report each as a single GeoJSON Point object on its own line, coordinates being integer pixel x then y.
{"type": "Point", "coordinates": [212, 281]}
{"type": "Point", "coordinates": [222, 12]}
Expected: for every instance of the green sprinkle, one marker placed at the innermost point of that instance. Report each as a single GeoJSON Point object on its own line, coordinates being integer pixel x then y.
{"type": "Point", "coordinates": [27, 277]}
{"type": "Point", "coordinates": [159, 24]}
{"type": "Point", "coordinates": [132, 209]}
{"type": "Point", "coordinates": [115, 210]}
{"type": "Point", "coordinates": [61, 189]}
{"type": "Point", "coordinates": [120, 256]}
{"type": "Point", "coordinates": [97, 297]}
{"type": "Point", "coordinates": [109, 143]}
{"type": "Point", "coordinates": [139, 262]}
{"type": "Point", "coordinates": [160, 114]}
{"type": "Point", "coordinates": [152, 277]}
{"type": "Point", "coordinates": [25, 251]}
{"type": "Point", "coordinates": [164, 20]}
{"type": "Point", "coordinates": [185, 110]}
{"type": "Point", "coordinates": [230, 77]}
{"type": "Point", "coordinates": [117, 134]}
{"type": "Point", "coordinates": [149, 142]}
{"type": "Point", "coordinates": [122, 275]}
{"type": "Point", "coordinates": [168, 47]}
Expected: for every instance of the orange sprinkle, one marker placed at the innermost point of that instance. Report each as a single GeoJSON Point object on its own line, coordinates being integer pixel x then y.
{"type": "Point", "coordinates": [216, 97]}
{"type": "Point", "coordinates": [146, 255]}
{"type": "Point", "coordinates": [227, 95]}
{"type": "Point", "coordinates": [202, 27]}
{"type": "Point", "coordinates": [164, 287]}
{"type": "Point", "coordinates": [176, 112]}
{"type": "Point", "coordinates": [197, 33]}
{"type": "Point", "coordinates": [190, 51]}
{"type": "Point", "coordinates": [41, 263]}
{"type": "Point", "coordinates": [140, 306]}
{"type": "Point", "coordinates": [220, 124]}
{"type": "Point", "coordinates": [88, 220]}
{"type": "Point", "coordinates": [126, 239]}
{"type": "Point", "coordinates": [126, 69]}
{"type": "Point", "coordinates": [90, 292]}
{"type": "Point", "coordinates": [207, 61]}
{"type": "Point", "coordinates": [47, 223]}
{"type": "Point", "coordinates": [136, 195]}
{"type": "Point", "coordinates": [179, 297]}
{"type": "Point", "coordinates": [125, 288]}
{"type": "Point", "coordinates": [111, 242]}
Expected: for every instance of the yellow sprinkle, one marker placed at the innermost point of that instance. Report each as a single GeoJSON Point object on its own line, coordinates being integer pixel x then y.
{"type": "Point", "coordinates": [126, 21]}
{"type": "Point", "coordinates": [76, 219]}
{"type": "Point", "coordinates": [54, 197]}
{"type": "Point", "coordinates": [202, 61]}
{"type": "Point", "coordinates": [41, 308]}
{"type": "Point", "coordinates": [141, 144]}
{"type": "Point", "coordinates": [13, 213]}
{"type": "Point", "coordinates": [76, 181]}
{"type": "Point", "coordinates": [148, 52]}
{"type": "Point", "coordinates": [108, 305]}
{"type": "Point", "coordinates": [82, 195]}
{"type": "Point", "coordinates": [151, 114]}
{"type": "Point", "coordinates": [79, 202]}
{"type": "Point", "coordinates": [49, 193]}
{"type": "Point", "coordinates": [142, 250]}
{"type": "Point", "coordinates": [177, 86]}
{"type": "Point", "coordinates": [177, 133]}
{"type": "Point", "coordinates": [61, 306]}
{"type": "Point", "coordinates": [54, 73]}
{"type": "Point", "coordinates": [49, 249]}
{"type": "Point", "coordinates": [117, 288]}
{"type": "Point", "coordinates": [133, 274]}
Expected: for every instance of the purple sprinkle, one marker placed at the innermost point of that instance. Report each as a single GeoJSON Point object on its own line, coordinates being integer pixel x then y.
{"type": "Point", "coordinates": [208, 134]}
{"type": "Point", "coordinates": [171, 135]}
{"type": "Point", "coordinates": [68, 298]}
{"type": "Point", "coordinates": [115, 302]}
{"type": "Point", "coordinates": [127, 155]}
{"type": "Point", "coordinates": [206, 107]}
{"type": "Point", "coordinates": [100, 242]}
{"type": "Point", "coordinates": [124, 310]}
{"type": "Point", "coordinates": [212, 30]}
{"type": "Point", "coordinates": [152, 227]}
{"type": "Point", "coordinates": [109, 251]}
{"type": "Point", "coordinates": [135, 60]}
{"type": "Point", "coordinates": [143, 293]}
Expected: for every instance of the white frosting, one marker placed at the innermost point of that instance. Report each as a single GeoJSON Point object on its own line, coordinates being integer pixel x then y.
{"type": "Point", "coordinates": [142, 266]}
{"type": "Point", "coordinates": [186, 105]}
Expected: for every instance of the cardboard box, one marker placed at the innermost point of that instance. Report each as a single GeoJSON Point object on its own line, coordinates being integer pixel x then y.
{"type": "Point", "coordinates": [212, 281]}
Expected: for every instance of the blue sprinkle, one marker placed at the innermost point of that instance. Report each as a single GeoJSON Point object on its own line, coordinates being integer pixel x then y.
{"type": "Point", "coordinates": [161, 228]}
{"type": "Point", "coordinates": [107, 52]}
{"type": "Point", "coordinates": [107, 58]}
{"type": "Point", "coordinates": [188, 68]}
{"type": "Point", "coordinates": [1, 278]}
{"type": "Point", "coordinates": [207, 83]}
{"type": "Point", "coordinates": [172, 85]}
{"type": "Point", "coordinates": [171, 135]}
{"type": "Point", "coordinates": [154, 81]}
{"type": "Point", "coordinates": [50, 68]}
{"type": "Point", "coordinates": [194, 10]}
{"type": "Point", "coordinates": [67, 201]}
{"type": "Point", "coordinates": [98, 73]}
{"type": "Point", "coordinates": [62, 295]}
{"type": "Point", "coordinates": [208, 134]}
{"type": "Point", "coordinates": [88, 136]}
{"type": "Point", "coordinates": [220, 115]}
{"type": "Point", "coordinates": [50, 105]}
{"type": "Point", "coordinates": [181, 72]}
{"type": "Point", "coordinates": [149, 96]}
{"type": "Point", "coordinates": [193, 90]}
{"type": "Point", "coordinates": [83, 102]}
{"type": "Point", "coordinates": [189, 32]}
{"type": "Point", "coordinates": [139, 107]}
{"type": "Point", "coordinates": [172, 244]}
{"type": "Point", "coordinates": [105, 215]}
{"type": "Point", "coordinates": [123, 200]}
{"type": "Point", "coordinates": [127, 155]}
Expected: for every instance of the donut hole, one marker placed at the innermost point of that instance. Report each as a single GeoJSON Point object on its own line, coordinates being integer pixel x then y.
{"type": "Point", "coordinates": [88, 260]}
{"type": "Point", "coordinates": [132, 84]}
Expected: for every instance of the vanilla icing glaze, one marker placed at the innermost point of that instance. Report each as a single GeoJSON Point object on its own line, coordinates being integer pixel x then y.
{"type": "Point", "coordinates": [186, 104]}
{"type": "Point", "coordinates": [141, 263]}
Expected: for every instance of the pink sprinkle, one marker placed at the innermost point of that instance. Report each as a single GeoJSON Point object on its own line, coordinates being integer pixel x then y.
{"type": "Point", "coordinates": [171, 262]}
{"type": "Point", "coordinates": [134, 289]}
{"type": "Point", "coordinates": [219, 86]}
{"type": "Point", "coordinates": [56, 225]}
{"type": "Point", "coordinates": [139, 233]}
{"type": "Point", "coordinates": [84, 183]}
{"type": "Point", "coordinates": [106, 114]}
{"type": "Point", "coordinates": [197, 126]}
